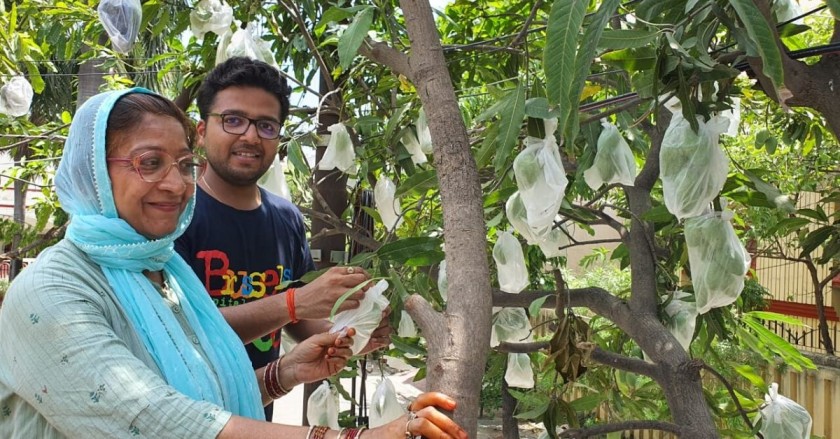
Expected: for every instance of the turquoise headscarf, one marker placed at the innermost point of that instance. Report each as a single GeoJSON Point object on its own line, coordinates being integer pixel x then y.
{"type": "Point", "coordinates": [84, 189]}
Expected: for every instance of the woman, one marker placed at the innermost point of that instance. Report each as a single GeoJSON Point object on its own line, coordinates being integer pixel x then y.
{"type": "Point", "coordinates": [110, 334]}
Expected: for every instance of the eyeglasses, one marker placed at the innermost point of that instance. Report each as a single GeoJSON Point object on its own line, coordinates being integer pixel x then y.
{"type": "Point", "coordinates": [154, 166]}
{"type": "Point", "coordinates": [235, 124]}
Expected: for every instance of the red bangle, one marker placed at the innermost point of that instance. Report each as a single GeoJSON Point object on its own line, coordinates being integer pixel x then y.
{"type": "Point", "coordinates": [290, 304]}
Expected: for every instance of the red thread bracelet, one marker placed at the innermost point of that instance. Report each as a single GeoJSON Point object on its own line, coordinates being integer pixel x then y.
{"type": "Point", "coordinates": [290, 304]}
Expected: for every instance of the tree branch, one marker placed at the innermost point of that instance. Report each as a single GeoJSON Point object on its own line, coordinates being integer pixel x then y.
{"type": "Point", "coordinates": [650, 172]}
{"type": "Point", "coordinates": [424, 314]}
{"type": "Point", "coordinates": [633, 365]}
{"type": "Point", "coordinates": [735, 399]}
{"type": "Point", "coordinates": [310, 43]}
{"type": "Point", "coordinates": [384, 54]}
{"type": "Point", "coordinates": [595, 431]}
{"type": "Point", "coordinates": [343, 228]}
{"type": "Point", "coordinates": [46, 237]}
{"type": "Point", "coordinates": [521, 348]}
{"type": "Point", "coordinates": [521, 35]}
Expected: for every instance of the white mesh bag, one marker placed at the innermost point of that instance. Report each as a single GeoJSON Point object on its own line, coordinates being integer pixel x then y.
{"type": "Point", "coordinates": [782, 418]}
{"type": "Point", "coordinates": [322, 406]}
{"type": "Point", "coordinates": [364, 319]}
{"type": "Point", "coordinates": [692, 166]}
{"type": "Point", "coordinates": [614, 162]}
{"type": "Point", "coordinates": [210, 16]}
{"type": "Point", "coordinates": [541, 177]}
{"type": "Point", "coordinates": [510, 325]}
{"type": "Point", "coordinates": [384, 406]}
{"type": "Point", "coordinates": [510, 263]}
{"type": "Point", "coordinates": [16, 97]}
{"type": "Point", "coordinates": [718, 260]}
{"type": "Point", "coordinates": [519, 372]}
{"type": "Point", "coordinates": [121, 20]}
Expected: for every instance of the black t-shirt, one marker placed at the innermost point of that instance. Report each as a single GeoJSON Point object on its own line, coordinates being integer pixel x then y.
{"type": "Point", "coordinates": [242, 256]}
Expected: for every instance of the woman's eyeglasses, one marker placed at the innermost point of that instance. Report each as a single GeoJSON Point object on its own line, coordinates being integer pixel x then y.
{"type": "Point", "coordinates": [235, 124]}
{"type": "Point", "coordinates": [154, 166]}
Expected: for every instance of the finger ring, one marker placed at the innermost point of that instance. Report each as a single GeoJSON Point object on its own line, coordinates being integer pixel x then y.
{"type": "Point", "coordinates": [351, 270]}
{"type": "Point", "coordinates": [411, 416]}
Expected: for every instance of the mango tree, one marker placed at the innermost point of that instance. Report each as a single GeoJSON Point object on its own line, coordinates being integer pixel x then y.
{"type": "Point", "coordinates": [487, 76]}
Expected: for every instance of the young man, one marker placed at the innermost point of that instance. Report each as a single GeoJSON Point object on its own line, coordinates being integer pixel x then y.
{"type": "Point", "coordinates": [246, 244]}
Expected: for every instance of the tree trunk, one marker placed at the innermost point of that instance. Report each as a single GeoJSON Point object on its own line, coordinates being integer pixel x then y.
{"type": "Point", "coordinates": [19, 214]}
{"type": "Point", "coordinates": [90, 75]}
{"type": "Point", "coordinates": [459, 338]}
{"type": "Point", "coordinates": [328, 250]}
{"type": "Point", "coordinates": [510, 427]}
{"type": "Point", "coordinates": [819, 301]}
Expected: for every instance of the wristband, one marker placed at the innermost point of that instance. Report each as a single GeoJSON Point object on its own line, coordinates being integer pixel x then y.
{"type": "Point", "coordinates": [290, 304]}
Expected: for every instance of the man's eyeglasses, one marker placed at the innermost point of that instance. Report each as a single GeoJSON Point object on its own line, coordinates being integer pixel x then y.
{"type": "Point", "coordinates": [235, 124]}
{"type": "Point", "coordinates": [154, 166]}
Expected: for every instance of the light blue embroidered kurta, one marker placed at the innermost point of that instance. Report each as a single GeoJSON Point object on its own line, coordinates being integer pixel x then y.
{"type": "Point", "coordinates": [72, 366]}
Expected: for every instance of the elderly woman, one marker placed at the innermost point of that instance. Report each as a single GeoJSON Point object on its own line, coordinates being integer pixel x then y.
{"type": "Point", "coordinates": [110, 334]}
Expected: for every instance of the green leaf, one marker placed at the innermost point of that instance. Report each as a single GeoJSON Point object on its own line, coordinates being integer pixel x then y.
{"type": "Point", "coordinates": [817, 214]}
{"type": "Point", "coordinates": [749, 373]}
{"type": "Point", "coordinates": [589, 402]}
{"type": "Point", "coordinates": [345, 296]}
{"type": "Point", "coordinates": [771, 192]}
{"type": "Point", "coordinates": [761, 138]}
{"type": "Point", "coordinates": [778, 345]}
{"type": "Point", "coordinates": [405, 345]}
{"type": "Point", "coordinates": [295, 154]}
{"type": "Point", "coordinates": [485, 153]}
{"type": "Point", "coordinates": [626, 38]}
{"type": "Point", "coordinates": [510, 124]}
{"type": "Point", "coordinates": [361, 258]}
{"type": "Point", "coordinates": [334, 14]}
{"type": "Point", "coordinates": [312, 275]}
{"type": "Point", "coordinates": [834, 7]}
{"type": "Point", "coordinates": [397, 282]}
{"type": "Point", "coordinates": [412, 251]}
{"type": "Point", "coordinates": [564, 23]}
{"type": "Point", "coordinates": [536, 305]}
{"type": "Point", "coordinates": [788, 225]}
{"type": "Point", "coordinates": [568, 120]}
{"type": "Point", "coordinates": [393, 121]}
{"type": "Point", "coordinates": [420, 182]}
{"type": "Point", "coordinates": [815, 239]}
{"type": "Point", "coordinates": [775, 317]}
{"type": "Point", "coordinates": [658, 214]}
{"type": "Point", "coordinates": [632, 60]}
{"type": "Point", "coordinates": [534, 413]}
{"type": "Point", "coordinates": [540, 109]}
{"type": "Point", "coordinates": [353, 37]}
{"type": "Point", "coordinates": [760, 32]}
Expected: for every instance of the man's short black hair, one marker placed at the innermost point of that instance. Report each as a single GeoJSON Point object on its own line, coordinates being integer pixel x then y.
{"type": "Point", "coordinates": [241, 71]}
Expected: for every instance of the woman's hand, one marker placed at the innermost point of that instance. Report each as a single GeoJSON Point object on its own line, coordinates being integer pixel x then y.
{"type": "Point", "coordinates": [424, 420]}
{"type": "Point", "coordinates": [315, 300]}
{"type": "Point", "coordinates": [318, 357]}
{"type": "Point", "coordinates": [381, 336]}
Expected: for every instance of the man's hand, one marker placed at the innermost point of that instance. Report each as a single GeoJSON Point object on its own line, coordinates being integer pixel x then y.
{"type": "Point", "coordinates": [381, 336]}
{"type": "Point", "coordinates": [318, 357]}
{"type": "Point", "coordinates": [316, 299]}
